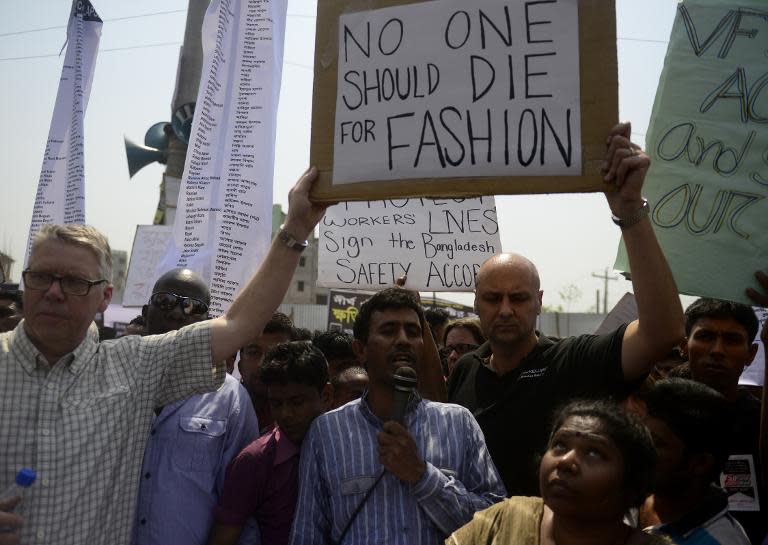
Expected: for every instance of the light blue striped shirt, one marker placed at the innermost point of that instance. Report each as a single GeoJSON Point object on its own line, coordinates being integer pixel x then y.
{"type": "Point", "coordinates": [340, 462]}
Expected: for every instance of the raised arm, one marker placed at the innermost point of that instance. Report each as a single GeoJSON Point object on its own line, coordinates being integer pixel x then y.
{"type": "Point", "coordinates": [253, 308]}
{"type": "Point", "coordinates": [659, 326]}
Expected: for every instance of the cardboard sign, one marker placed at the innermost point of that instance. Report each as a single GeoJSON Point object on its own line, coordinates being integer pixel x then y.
{"type": "Point", "coordinates": [149, 246]}
{"type": "Point", "coordinates": [709, 145]}
{"type": "Point", "coordinates": [439, 244]}
{"type": "Point", "coordinates": [455, 98]}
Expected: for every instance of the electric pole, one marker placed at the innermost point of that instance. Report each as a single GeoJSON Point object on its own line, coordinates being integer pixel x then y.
{"type": "Point", "coordinates": [605, 277]}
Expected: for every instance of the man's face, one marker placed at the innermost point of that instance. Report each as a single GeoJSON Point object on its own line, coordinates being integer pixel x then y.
{"type": "Point", "coordinates": [507, 303]}
{"type": "Point", "coordinates": [56, 320]}
{"type": "Point", "coordinates": [394, 341]}
{"type": "Point", "coordinates": [295, 406]}
{"type": "Point", "coordinates": [670, 473]}
{"type": "Point", "coordinates": [251, 357]}
{"type": "Point", "coordinates": [159, 321]}
{"type": "Point", "coordinates": [718, 349]}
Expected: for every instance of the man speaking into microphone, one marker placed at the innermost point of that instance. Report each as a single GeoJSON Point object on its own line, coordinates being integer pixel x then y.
{"type": "Point", "coordinates": [366, 478]}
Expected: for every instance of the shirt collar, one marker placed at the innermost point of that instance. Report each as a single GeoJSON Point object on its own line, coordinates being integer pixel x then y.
{"type": "Point", "coordinates": [285, 448]}
{"type": "Point", "coordinates": [713, 506]}
{"type": "Point", "coordinates": [365, 407]}
{"type": "Point", "coordinates": [30, 357]}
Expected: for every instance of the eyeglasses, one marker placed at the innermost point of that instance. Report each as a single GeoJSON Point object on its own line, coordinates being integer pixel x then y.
{"type": "Point", "coordinates": [167, 301]}
{"type": "Point", "coordinates": [460, 348]}
{"type": "Point", "coordinates": [71, 285]}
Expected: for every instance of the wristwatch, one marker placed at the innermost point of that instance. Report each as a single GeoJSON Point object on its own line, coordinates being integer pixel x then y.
{"type": "Point", "coordinates": [291, 241]}
{"type": "Point", "coordinates": [633, 218]}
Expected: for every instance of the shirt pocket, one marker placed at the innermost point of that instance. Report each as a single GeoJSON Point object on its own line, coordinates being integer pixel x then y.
{"type": "Point", "coordinates": [353, 490]}
{"type": "Point", "coordinates": [102, 400]}
{"type": "Point", "coordinates": [199, 443]}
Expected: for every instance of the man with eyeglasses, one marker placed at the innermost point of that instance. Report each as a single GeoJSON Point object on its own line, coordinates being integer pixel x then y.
{"type": "Point", "coordinates": [192, 440]}
{"type": "Point", "coordinates": [80, 411]}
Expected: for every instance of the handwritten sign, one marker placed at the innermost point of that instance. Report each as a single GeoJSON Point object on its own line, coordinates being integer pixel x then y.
{"type": "Point", "coordinates": [461, 93]}
{"type": "Point", "coordinates": [222, 228]}
{"type": "Point", "coordinates": [754, 373]}
{"type": "Point", "coordinates": [61, 187]}
{"type": "Point", "coordinates": [439, 244]}
{"type": "Point", "coordinates": [708, 141]}
{"type": "Point", "coordinates": [149, 245]}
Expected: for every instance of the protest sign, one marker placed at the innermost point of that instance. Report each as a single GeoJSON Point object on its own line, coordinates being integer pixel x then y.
{"type": "Point", "coordinates": [61, 187]}
{"type": "Point", "coordinates": [223, 222]}
{"type": "Point", "coordinates": [754, 373]}
{"type": "Point", "coordinates": [709, 146]}
{"type": "Point", "coordinates": [439, 244]}
{"type": "Point", "coordinates": [462, 99]}
{"type": "Point", "coordinates": [149, 246]}
{"type": "Point", "coordinates": [344, 306]}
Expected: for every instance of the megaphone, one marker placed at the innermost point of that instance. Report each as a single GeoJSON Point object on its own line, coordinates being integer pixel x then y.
{"type": "Point", "coordinates": [141, 156]}
{"type": "Point", "coordinates": [157, 135]}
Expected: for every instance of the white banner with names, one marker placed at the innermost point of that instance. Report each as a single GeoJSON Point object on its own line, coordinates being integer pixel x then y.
{"type": "Point", "coordinates": [223, 222]}
{"type": "Point", "coordinates": [61, 187]}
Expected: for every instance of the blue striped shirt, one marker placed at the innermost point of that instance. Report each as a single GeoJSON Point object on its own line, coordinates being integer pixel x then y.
{"type": "Point", "coordinates": [340, 462]}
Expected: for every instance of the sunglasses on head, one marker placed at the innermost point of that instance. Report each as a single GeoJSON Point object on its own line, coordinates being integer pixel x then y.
{"type": "Point", "coordinates": [168, 301]}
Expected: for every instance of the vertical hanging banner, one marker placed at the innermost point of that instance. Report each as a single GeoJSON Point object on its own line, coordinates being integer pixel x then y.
{"type": "Point", "coordinates": [708, 140]}
{"type": "Point", "coordinates": [439, 244]}
{"type": "Point", "coordinates": [61, 187]}
{"type": "Point", "coordinates": [223, 221]}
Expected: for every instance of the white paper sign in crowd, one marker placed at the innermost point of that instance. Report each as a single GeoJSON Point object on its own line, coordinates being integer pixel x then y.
{"type": "Point", "coordinates": [223, 223]}
{"type": "Point", "coordinates": [456, 88]}
{"type": "Point", "coordinates": [438, 243]}
{"type": "Point", "coordinates": [61, 187]}
{"type": "Point", "coordinates": [149, 246]}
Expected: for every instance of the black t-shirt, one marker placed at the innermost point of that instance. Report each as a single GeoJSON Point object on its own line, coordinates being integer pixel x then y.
{"type": "Point", "coordinates": [515, 410]}
{"type": "Point", "coordinates": [744, 420]}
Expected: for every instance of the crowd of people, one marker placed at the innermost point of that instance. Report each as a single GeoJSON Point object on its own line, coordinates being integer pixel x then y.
{"type": "Point", "coordinates": [509, 436]}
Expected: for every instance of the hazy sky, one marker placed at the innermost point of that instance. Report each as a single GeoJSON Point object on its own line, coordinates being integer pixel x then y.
{"type": "Point", "coordinates": [568, 236]}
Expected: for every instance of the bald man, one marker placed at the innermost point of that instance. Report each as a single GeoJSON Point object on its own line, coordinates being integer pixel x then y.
{"type": "Point", "coordinates": [514, 381]}
{"type": "Point", "coordinates": [192, 440]}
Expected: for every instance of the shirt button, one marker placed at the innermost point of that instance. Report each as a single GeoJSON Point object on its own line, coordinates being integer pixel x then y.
{"type": "Point", "coordinates": [143, 521]}
{"type": "Point", "coordinates": [147, 475]}
{"type": "Point", "coordinates": [45, 432]}
{"type": "Point", "coordinates": [40, 534]}
{"type": "Point", "coordinates": [46, 481]}
{"type": "Point", "coordinates": [50, 386]}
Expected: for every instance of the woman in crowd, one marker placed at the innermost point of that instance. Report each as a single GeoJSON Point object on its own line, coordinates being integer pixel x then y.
{"type": "Point", "coordinates": [598, 465]}
{"type": "Point", "coordinates": [461, 336]}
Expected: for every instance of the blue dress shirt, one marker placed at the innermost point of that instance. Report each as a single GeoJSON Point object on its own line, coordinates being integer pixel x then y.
{"type": "Point", "coordinates": [340, 462]}
{"type": "Point", "coordinates": [191, 443]}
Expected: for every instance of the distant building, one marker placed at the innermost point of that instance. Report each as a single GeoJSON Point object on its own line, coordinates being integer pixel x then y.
{"type": "Point", "coordinates": [119, 272]}
{"type": "Point", "coordinates": [6, 264]}
{"type": "Point", "coordinates": [303, 289]}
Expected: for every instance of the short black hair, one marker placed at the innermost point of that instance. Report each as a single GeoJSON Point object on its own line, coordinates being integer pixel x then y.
{"type": "Point", "coordinates": [629, 435]}
{"type": "Point", "coordinates": [719, 309]}
{"type": "Point", "coordinates": [386, 299]}
{"type": "Point", "coordinates": [696, 414]}
{"type": "Point", "coordinates": [295, 362]}
{"type": "Point", "coordinates": [334, 344]}
{"type": "Point", "coordinates": [436, 317]}
{"type": "Point", "coordinates": [346, 373]}
{"type": "Point", "coordinates": [280, 323]}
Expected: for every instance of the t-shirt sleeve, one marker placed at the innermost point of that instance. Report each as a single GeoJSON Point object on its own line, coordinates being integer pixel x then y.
{"type": "Point", "coordinates": [590, 365]}
{"type": "Point", "coordinates": [243, 488]}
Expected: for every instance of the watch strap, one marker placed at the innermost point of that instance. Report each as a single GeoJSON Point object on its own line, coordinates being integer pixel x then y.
{"type": "Point", "coordinates": [291, 241]}
{"type": "Point", "coordinates": [634, 218]}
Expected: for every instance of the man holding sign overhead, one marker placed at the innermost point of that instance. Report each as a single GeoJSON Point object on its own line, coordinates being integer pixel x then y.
{"type": "Point", "coordinates": [514, 381]}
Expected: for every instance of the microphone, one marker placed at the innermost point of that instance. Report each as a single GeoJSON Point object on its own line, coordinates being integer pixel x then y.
{"type": "Point", "coordinates": [405, 384]}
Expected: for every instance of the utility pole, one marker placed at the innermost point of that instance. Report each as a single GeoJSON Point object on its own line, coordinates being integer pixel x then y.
{"type": "Point", "coordinates": [605, 277]}
{"type": "Point", "coordinates": [184, 97]}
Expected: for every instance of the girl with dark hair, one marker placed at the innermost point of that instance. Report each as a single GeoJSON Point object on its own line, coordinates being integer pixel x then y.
{"type": "Point", "coordinates": [598, 464]}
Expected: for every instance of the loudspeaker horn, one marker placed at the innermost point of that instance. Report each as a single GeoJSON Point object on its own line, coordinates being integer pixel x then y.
{"type": "Point", "coordinates": [157, 135]}
{"type": "Point", "coordinates": [141, 156]}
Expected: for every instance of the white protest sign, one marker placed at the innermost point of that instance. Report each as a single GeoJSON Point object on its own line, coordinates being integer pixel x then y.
{"type": "Point", "coordinates": [61, 187]}
{"type": "Point", "coordinates": [754, 373]}
{"type": "Point", "coordinates": [149, 246]}
{"type": "Point", "coordinates": [438, 243]}
{"type": "Point", "coordinates": [457, 89]}
{"type": "Point", "coordinates": [223, 222]}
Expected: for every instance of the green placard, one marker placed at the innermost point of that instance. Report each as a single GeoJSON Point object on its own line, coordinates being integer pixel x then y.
{"type": "Point", "coordinates": [708, 140]}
